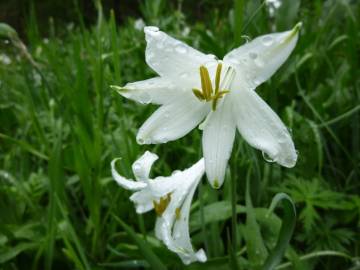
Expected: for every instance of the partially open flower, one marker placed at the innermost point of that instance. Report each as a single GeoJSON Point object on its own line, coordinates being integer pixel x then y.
{"type": "Point", "coordinates": [170, 197]}
{"type": "Point", "coordinates": [193, 86]}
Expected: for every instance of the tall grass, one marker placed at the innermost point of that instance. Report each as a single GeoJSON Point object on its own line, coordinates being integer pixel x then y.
{"type": "Point", "coordinates": [61, 125]}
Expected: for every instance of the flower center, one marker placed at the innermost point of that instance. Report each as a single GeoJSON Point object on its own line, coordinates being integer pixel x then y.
{"type": "Point", "coordinates": [207, 92]}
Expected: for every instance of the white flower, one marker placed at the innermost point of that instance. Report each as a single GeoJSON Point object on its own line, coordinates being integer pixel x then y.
{"type": "Point", "coordinates": [171, 198]}
{"type": "Point", "coordinates": [193, 86]}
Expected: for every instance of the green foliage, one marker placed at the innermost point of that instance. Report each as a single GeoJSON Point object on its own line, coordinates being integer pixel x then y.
{"type": "Point", "coordinates": [61, 125]}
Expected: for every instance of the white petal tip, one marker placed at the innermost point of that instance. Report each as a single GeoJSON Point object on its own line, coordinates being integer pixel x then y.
{"type": "Point", "coordinates": [116, 87]}
{"type": "Point", "coordinates": [216, 184]}
{"type": "Point", "coordinates": [201, 256]}
{"type": "Point", "coordinates": [151, 29]}
{"type": "Point", "coordinates": [298, 26]}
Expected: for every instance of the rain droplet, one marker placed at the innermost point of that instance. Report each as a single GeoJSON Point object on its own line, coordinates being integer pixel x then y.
{"type": "Point", "coordinates": [267, 40]}
{"type": "Point", "coordinates": [253, 55]}
{"type": "Point", "coordinates": [267, 157]}
{"type": "Point", "coordinates": [184, 75]}
{"type": "Point", "coordinates": [259, 62]}
{"type": "Point", "coordinates": [176, 172]}
{"type": "Point", "coordinates": [144, 98]}
{"type": "Point", "coordinates": [140, 141]}
{"type": "Point", "coordinates": [137, 167]}
{"type": "Point", "coordinates": [181, 48]}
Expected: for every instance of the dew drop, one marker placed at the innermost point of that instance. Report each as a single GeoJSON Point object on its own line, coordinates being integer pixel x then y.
{"type": "Point", "coordinates": [176, 172]}
{"type": "Point", "coordinates": [259, 62]}
{"type": "Point", "coordinates": [181, 48]}
{"type": "Point", "coordinates": [137, 167]}
{"type": "Point", "coordinates": [253, 55]}
{"type": "Point", "coordinates": [267, 157]}
{"type": "Point", "coordinates": [184, 75]}
{"type": "Point", "coordinates": [140, 141]}
{"type": "Point", "coordinates": [267, 40]}
{"type": "Point", "coordinates": [144, 98]}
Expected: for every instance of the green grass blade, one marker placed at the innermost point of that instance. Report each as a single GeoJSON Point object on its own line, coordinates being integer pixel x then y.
{"type": "Point", "coordinates": [286, 231]}
{"type": "Point", "coordinates": [144, 248]}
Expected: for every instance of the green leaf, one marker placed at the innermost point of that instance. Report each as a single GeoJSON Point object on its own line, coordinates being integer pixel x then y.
{"type": "Point", "coordinates": [214, 212]}
{"type": "Point", "coordinates": [286, 231]}
{"type": "Point", "coordinates": [13, 252]}
{"type": "Point", "coordinates": [256, 249]}
{"type": "Point", "coordinates": [144, 248]}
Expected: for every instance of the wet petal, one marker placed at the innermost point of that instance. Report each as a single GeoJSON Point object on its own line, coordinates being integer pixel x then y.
{"type": "Point", "coordinates": [155, 90]}
{"type": "Point", "coordinates": [218, 138]}
{"type": "Point", "coordinates": [173, 226]}
{"type": "Point", "coordinates": [172, 58]}
{"type": "Point", "coordinates": [259, 59]}
{"type": "Point", "coordinates": [142, 166]}
{"type": "Point", "coordinates": [262, 128]}
{"type": "Point", "coordinates": [172, 121]}
{"type": "Point", "coordinates": [124, 182]}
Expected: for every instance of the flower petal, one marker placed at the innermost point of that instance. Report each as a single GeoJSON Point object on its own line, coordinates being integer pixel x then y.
{"type": "Point", "coordinates": [172, 121]}
{"type": "Point", "coordinates": [142, 166]}
{"type": "Point", "coordinates": [259, 59]}
{"type": "Point", "coordinates": [218, 138]}
{"type": "Point", "coordinates": [124, 182]}
{"type": "Point", "coordinates": [173, 226]}
{"type": "Point", "coordinates": [262, 128]}
{"type": "Point", "coordinates": [172, 58]}
{"type": "Point", "coordinates": [155, 90]}
{"type": "Point", "coordinates": [143, 200]}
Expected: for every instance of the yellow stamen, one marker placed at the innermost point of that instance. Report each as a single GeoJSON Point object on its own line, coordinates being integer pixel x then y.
{"type": "Point", "coordinates": [217, 77]}
{"type": "Point", "coordinates": [161, 206]}
{"type": "Point", "coordinates": [198, 94]}
{"type": "Point", "coordinates": [207, 93]}
{"type": "Point", "coordinates": [177, 213]}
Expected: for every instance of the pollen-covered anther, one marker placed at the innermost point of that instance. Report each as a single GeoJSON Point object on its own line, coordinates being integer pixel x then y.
{"type": "Point", "coordinates": [207, 92]}
{"type": "Point", "coordinates": [161, 206]}
{"type": "Point", "coordinates": [177, 213]}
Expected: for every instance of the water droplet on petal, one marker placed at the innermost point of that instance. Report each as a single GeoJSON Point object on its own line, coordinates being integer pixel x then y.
{"type": "Point", "coordinates": [184, 75]}
{"type": "Point", "coordinates": [137, 167]}
{"type": "Point", "coordinates": [267, 157]}
{"type": "Point", "coordinates": [181, 48]}
{"type": "Point", "coordinates": [253, 55]}
{"type": "Point", "coordinates": [259, 62]}
{"type": "Point", "coordinates": [176, 172]}
{"type": "Point", "coordinates": [267, 40]}
{"type": "Point", "coordinates": [144, 98]}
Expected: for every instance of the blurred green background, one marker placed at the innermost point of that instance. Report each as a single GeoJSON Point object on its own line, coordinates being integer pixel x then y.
{"type": "Point", "coordinates": [61, 125]}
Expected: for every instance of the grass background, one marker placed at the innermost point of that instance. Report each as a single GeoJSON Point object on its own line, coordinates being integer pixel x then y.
{"type": "Point", "coordinates": [61, 125]}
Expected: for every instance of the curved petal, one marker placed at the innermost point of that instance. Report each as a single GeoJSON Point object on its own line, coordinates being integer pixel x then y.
{"type": "Point", "coordinates": [124, 182]}
{"type": "Point", "coordinates": [142, 166]}
{"type": "Point", "coordinates": [155, 90]}
{"type": "Point", "coordinates": [143, 200]}
{"type": "Point", "coordinates": [262, 128]}
{"type": "Point", "coordinates": [259, 59]}
{"type": "Point", "coordinates": [173, 226]}
{"type": "Point", "coordinates": [172, 58]}
{"type": "Point", "coordinates": [217, 142]}
{"type": "Point", "coordinates": [172, 121]}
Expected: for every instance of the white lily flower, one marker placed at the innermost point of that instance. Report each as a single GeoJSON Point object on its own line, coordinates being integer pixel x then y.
{"type": "Point", "coordinates": [193, 86]}
{"type": "Point", "coordinates": [170, 197]}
